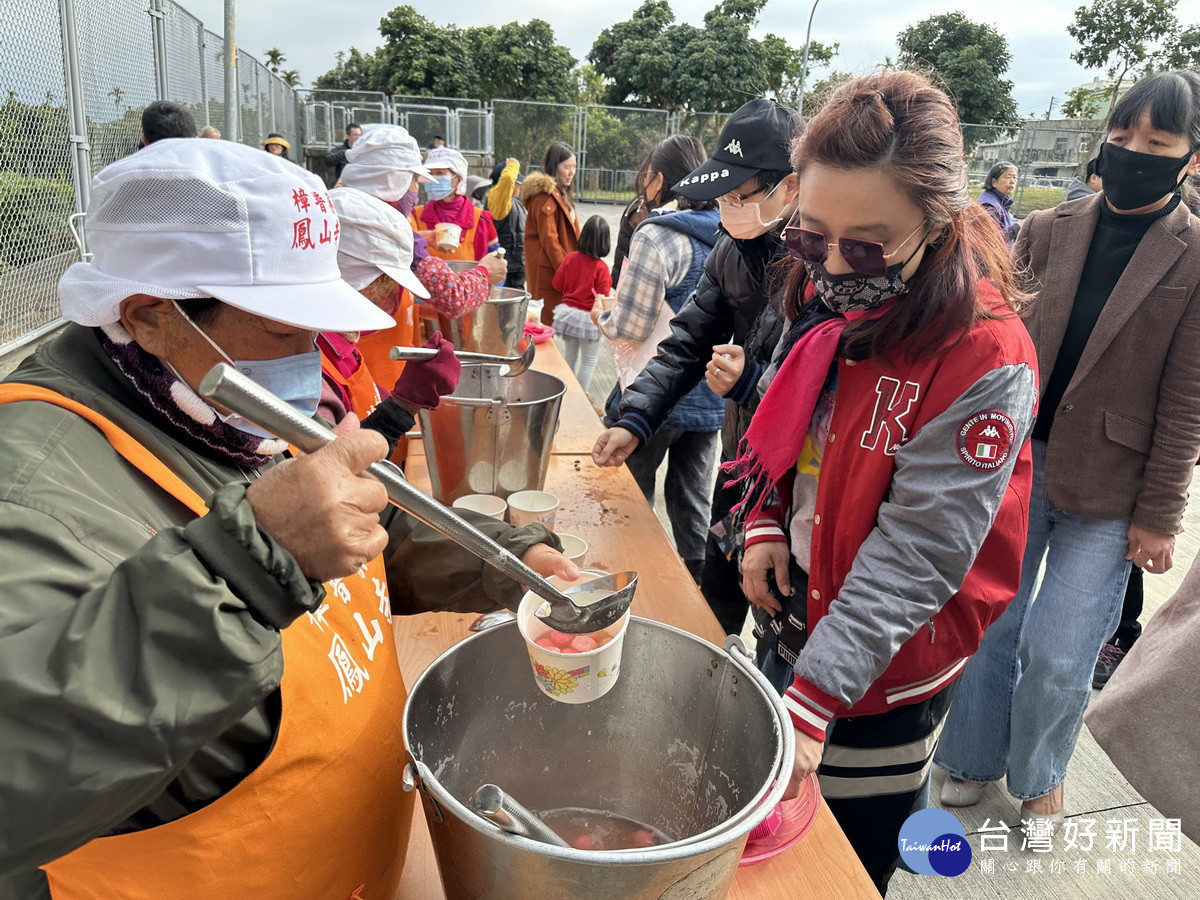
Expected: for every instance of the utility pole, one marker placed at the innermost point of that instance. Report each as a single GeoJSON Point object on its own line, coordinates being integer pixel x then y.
{"type": "Point", "coordinates": [1050, 108]}
{"type": "Point", "coordinates": [804, 61]}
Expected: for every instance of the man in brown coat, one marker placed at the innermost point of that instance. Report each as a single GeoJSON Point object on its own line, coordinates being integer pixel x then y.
{"type": "Point", "coordinates": [1116, 323]}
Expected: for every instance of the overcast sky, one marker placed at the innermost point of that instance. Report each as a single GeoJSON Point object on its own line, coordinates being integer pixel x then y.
{"type": "Point", "coordinates": [311, 33]}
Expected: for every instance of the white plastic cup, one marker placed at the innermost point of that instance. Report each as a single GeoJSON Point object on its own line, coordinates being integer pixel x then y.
{"type": "Point", "coordinates": [488, 504]}
{"type": "Point", "coordinates": [532, 508]}
{"type": "Point", "coordinates": [573, 547]}
{"type": "Point", "coordinates": [447, 236]}
{"type": "Point", "coordinates": [570, 677]}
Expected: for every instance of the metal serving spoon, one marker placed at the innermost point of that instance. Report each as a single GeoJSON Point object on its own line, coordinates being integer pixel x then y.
{"type": "Point", "coordinates": [496, 806]}
{"type": "Point", "coordinates": [516, 364]}
{"type": "Point", "coordinates": [603, 601]}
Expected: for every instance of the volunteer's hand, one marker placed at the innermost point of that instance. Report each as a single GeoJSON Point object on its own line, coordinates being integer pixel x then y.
{"type": "Point", "coordinates": [602, 304]}
{"type": "Point", "coordinates": [430, 236]}
{"type": "Point", "coordinates": [808, 756]}
{"type": "Point", "coordinates": [496, 267]}
{"type": "Point", "coordinates": [614, 446]}
{"type": "Point", "coordinates": [1151, 551]}
{"type": "Point", "coordinates": [423, 384]}
{"type": "Point", "coordinates": [725, 368]}
{"type": "Point", "coordinates": [757, 561]}
{"type": "Point", "coordinates": [547, 561]}
{"type": "Point", "coordinates": [321, 507]}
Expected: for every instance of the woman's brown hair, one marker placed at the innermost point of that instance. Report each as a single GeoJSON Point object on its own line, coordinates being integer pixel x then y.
{"type": "Point", "coordinates": [901, 122]}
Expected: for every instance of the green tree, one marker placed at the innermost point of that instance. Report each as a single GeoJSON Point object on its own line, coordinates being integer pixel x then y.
{"type": "Point", "coordinates": [783, 64]}
{"type": "Point", "coordinates": [354, 72]}
{"type": "Point", "coordinates": [419, 56]}
{"type": "Point", "coordinates": [1129, 38]}
{"type": "Point", "coordinates": [521, 62]}
{"type": "Point", "coordinates": [652, 60]}
{"type": "Point", "coordinates": [970, 59]}
{"type": "Point", "coordinates": [291, 78]}
{"type": "Point", "coordinates": [275, 59]}
{"type": "Point", "coordinates": [1086, 102]}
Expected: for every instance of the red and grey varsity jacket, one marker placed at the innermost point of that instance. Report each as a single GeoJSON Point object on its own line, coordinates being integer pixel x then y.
{"type": "Point", "coordinates": [920, 522]}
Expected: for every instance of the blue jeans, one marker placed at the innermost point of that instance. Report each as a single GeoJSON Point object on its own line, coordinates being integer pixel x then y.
{"type": "Point", "coordinates": [1021, 701]}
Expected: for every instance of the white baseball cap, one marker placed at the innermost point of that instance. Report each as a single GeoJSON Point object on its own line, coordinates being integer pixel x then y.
{"type": "Point", "coordinates": [383, 162]}
{"type": "Point", "coordinates": [445, 158]}
{"type": "Point", "coordinates": [186, 218]}
{"type": "Point", "coordinates": [375, 238]}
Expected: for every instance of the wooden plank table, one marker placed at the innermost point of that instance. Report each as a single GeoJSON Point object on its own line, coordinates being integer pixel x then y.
{"type": "Point", "coordinates": [606, 509]}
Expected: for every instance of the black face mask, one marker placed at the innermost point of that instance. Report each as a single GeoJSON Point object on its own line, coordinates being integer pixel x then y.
{"type": "Point", "coordinates": [1133, 180]}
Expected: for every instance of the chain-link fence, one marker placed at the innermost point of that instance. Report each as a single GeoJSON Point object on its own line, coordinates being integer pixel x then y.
{"type": "Point", "coordinates": [523, 129]}
{"type": "Point", "coordinates": [614, 142]}
{"type": "Point", "coordinates": [76, 76]}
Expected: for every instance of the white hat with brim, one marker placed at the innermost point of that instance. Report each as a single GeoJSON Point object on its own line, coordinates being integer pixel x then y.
{"type": "Point", "coordinates": [375, 237]}
{"type": "Point", "coordinates": [383, 162]}
{"type": "Point", "coordinates": [188, 218]}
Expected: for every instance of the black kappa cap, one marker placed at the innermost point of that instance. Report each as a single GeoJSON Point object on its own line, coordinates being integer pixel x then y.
{"type": "Point", "coordinates": [757, 136]}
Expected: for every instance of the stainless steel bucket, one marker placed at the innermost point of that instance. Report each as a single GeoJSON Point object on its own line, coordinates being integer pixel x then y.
{"type": "Point", "coordinates": [495, 327]}
{"type": "Point", "coordinates": [493, 434]}
{"type": "Point", "coordinates": [691, 740]}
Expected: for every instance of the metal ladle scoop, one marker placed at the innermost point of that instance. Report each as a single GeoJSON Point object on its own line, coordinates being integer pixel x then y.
{"type": "Point", "coordinates": [516, 364]}
{"type": "Point", "coordinates": [605, 599]}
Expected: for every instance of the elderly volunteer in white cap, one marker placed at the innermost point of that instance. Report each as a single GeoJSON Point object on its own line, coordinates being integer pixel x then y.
{"type": "Point", "coordinates": [188, 711]}
{"type": "Point", "coordinates": [386, 163]}
{"type": "Point", "coordinates": [455, 227]}
{"type": "Point", "coordinates": [374, 256]}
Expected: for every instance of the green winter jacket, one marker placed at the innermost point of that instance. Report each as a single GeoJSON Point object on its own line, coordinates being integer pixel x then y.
{"type": "Point", "coordinates": [140, 654]}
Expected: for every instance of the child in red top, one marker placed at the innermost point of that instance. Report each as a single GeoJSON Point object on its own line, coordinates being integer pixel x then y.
{"type": "Point", "coordinates": [582, 277]}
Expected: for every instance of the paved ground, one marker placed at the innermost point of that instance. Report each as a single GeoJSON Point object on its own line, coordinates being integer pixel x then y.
{"type": "Point", "coordinates": [1095, 791]}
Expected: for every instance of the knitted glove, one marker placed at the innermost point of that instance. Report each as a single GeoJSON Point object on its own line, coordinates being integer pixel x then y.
{"type": "Point", "coordinates": [423, 384]}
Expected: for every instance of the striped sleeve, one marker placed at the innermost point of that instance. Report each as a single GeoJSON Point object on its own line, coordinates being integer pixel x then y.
{"type": "Point", "coordinates": [810, 707]}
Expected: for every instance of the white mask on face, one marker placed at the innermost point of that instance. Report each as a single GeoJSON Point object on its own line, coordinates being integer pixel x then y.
{"type": "Point", "coordinates": [745, 221]}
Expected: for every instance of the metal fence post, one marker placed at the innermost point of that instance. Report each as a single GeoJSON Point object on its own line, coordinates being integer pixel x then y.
{"type": "Point", "coordinates": [202, 46]}
{"type": "Point", "coordinates": [232, 105]}
{"type": "Point", "coordinates": [81, 167]}
{"type": "Point", "coordinates": [158, 36]}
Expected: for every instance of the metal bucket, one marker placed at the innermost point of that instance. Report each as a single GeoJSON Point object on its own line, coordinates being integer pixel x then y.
{"type": "Point", "coordinates": [493, 434]}
{"type": "Point", "coordinates": [691, 740]}
{"type": "Point", "coordinates": [495, 327]}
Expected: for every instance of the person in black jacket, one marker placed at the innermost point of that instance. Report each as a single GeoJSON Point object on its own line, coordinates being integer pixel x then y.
{"type": "Point", "coordinates": [336, 157]}
{"type": "Point", "coordinates": [726, 331]}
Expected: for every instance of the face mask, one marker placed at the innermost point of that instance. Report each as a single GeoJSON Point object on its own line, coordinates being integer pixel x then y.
{"type": "Point", "coordinates": [441, 188]}
{"type": "Point", "coordinates": [1133, 180]}
{"type": "Point", "coordinates": [296, 380]}
{"type": "Point", "coordinates": [745, 221]}
{"type": "Point", "coordinates": [407, 203]}
{"type": "Point", "coordinates": [852, 291]}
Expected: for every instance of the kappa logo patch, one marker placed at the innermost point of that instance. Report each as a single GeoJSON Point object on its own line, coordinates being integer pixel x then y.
{"type": "Point", "coordinates": [986, 439]}
{"type": "Point", "coordinates": [734, 147]}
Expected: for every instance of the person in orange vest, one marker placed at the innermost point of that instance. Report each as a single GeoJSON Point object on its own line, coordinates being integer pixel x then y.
{"type": "Point", "coordinates": [375, 257]}
{"type": "Point", "coordinates": [454, 227]}
{"type": "Point", "coordinates": [201, 693]}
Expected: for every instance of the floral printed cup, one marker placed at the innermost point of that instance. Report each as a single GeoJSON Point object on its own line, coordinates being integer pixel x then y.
{"type": "Point", "coordinates": [532, 508]}
{"type": "Point", "coordinates": [570, 677]}
{"type": "Point", "coordinates": [447, 236]}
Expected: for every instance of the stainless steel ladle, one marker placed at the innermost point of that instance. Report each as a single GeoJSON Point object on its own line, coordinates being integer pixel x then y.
{"type": "Point", "coordinates": [516, 364]}
{"type": "Point", "coordinates": [606, 599]}
{"type": "Point", "coordinates": [496, 806]}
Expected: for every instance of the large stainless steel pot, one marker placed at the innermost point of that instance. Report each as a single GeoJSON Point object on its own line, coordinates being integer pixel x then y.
{"type": "Point", "coordinates": [493, 434]}
{"type": "Point", "coordinates": [495, 327]}
{"type": "Point", "coordinates": [691, 740]}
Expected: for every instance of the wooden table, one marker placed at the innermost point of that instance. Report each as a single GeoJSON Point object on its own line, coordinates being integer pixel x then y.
{"type": "Point", "coordinates": [606, 509]}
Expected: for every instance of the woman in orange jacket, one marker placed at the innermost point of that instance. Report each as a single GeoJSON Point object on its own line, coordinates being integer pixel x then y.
{"type": "Point", "coordinates": [552, 228]}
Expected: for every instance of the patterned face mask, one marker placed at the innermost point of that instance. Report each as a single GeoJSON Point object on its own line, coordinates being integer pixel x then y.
{"type": "Point", "coordinates": [852, 291]}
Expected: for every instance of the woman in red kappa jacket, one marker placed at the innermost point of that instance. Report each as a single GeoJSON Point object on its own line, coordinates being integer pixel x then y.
{"type": "Point", "coordinates": [887, 469]}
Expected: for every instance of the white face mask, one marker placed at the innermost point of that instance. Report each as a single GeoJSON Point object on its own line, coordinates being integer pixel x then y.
{"type": "Point", "coordinates": [745, 221]}
{"type": "Point", "coordinates": [294, 379]}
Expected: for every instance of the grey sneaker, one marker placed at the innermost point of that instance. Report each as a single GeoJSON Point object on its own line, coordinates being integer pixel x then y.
{"type": "Point", "coordinates": [1110, 657]}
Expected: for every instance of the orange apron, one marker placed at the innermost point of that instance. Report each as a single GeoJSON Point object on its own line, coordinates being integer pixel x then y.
{"type": "Point", "coordinates": [324, 815]}
{"type": "Point", "coordinates": [466, 243]}
{"type": "Point", "coordinates": [364, 395]}
{"type": "Point", "coordinates": [373, 348]}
